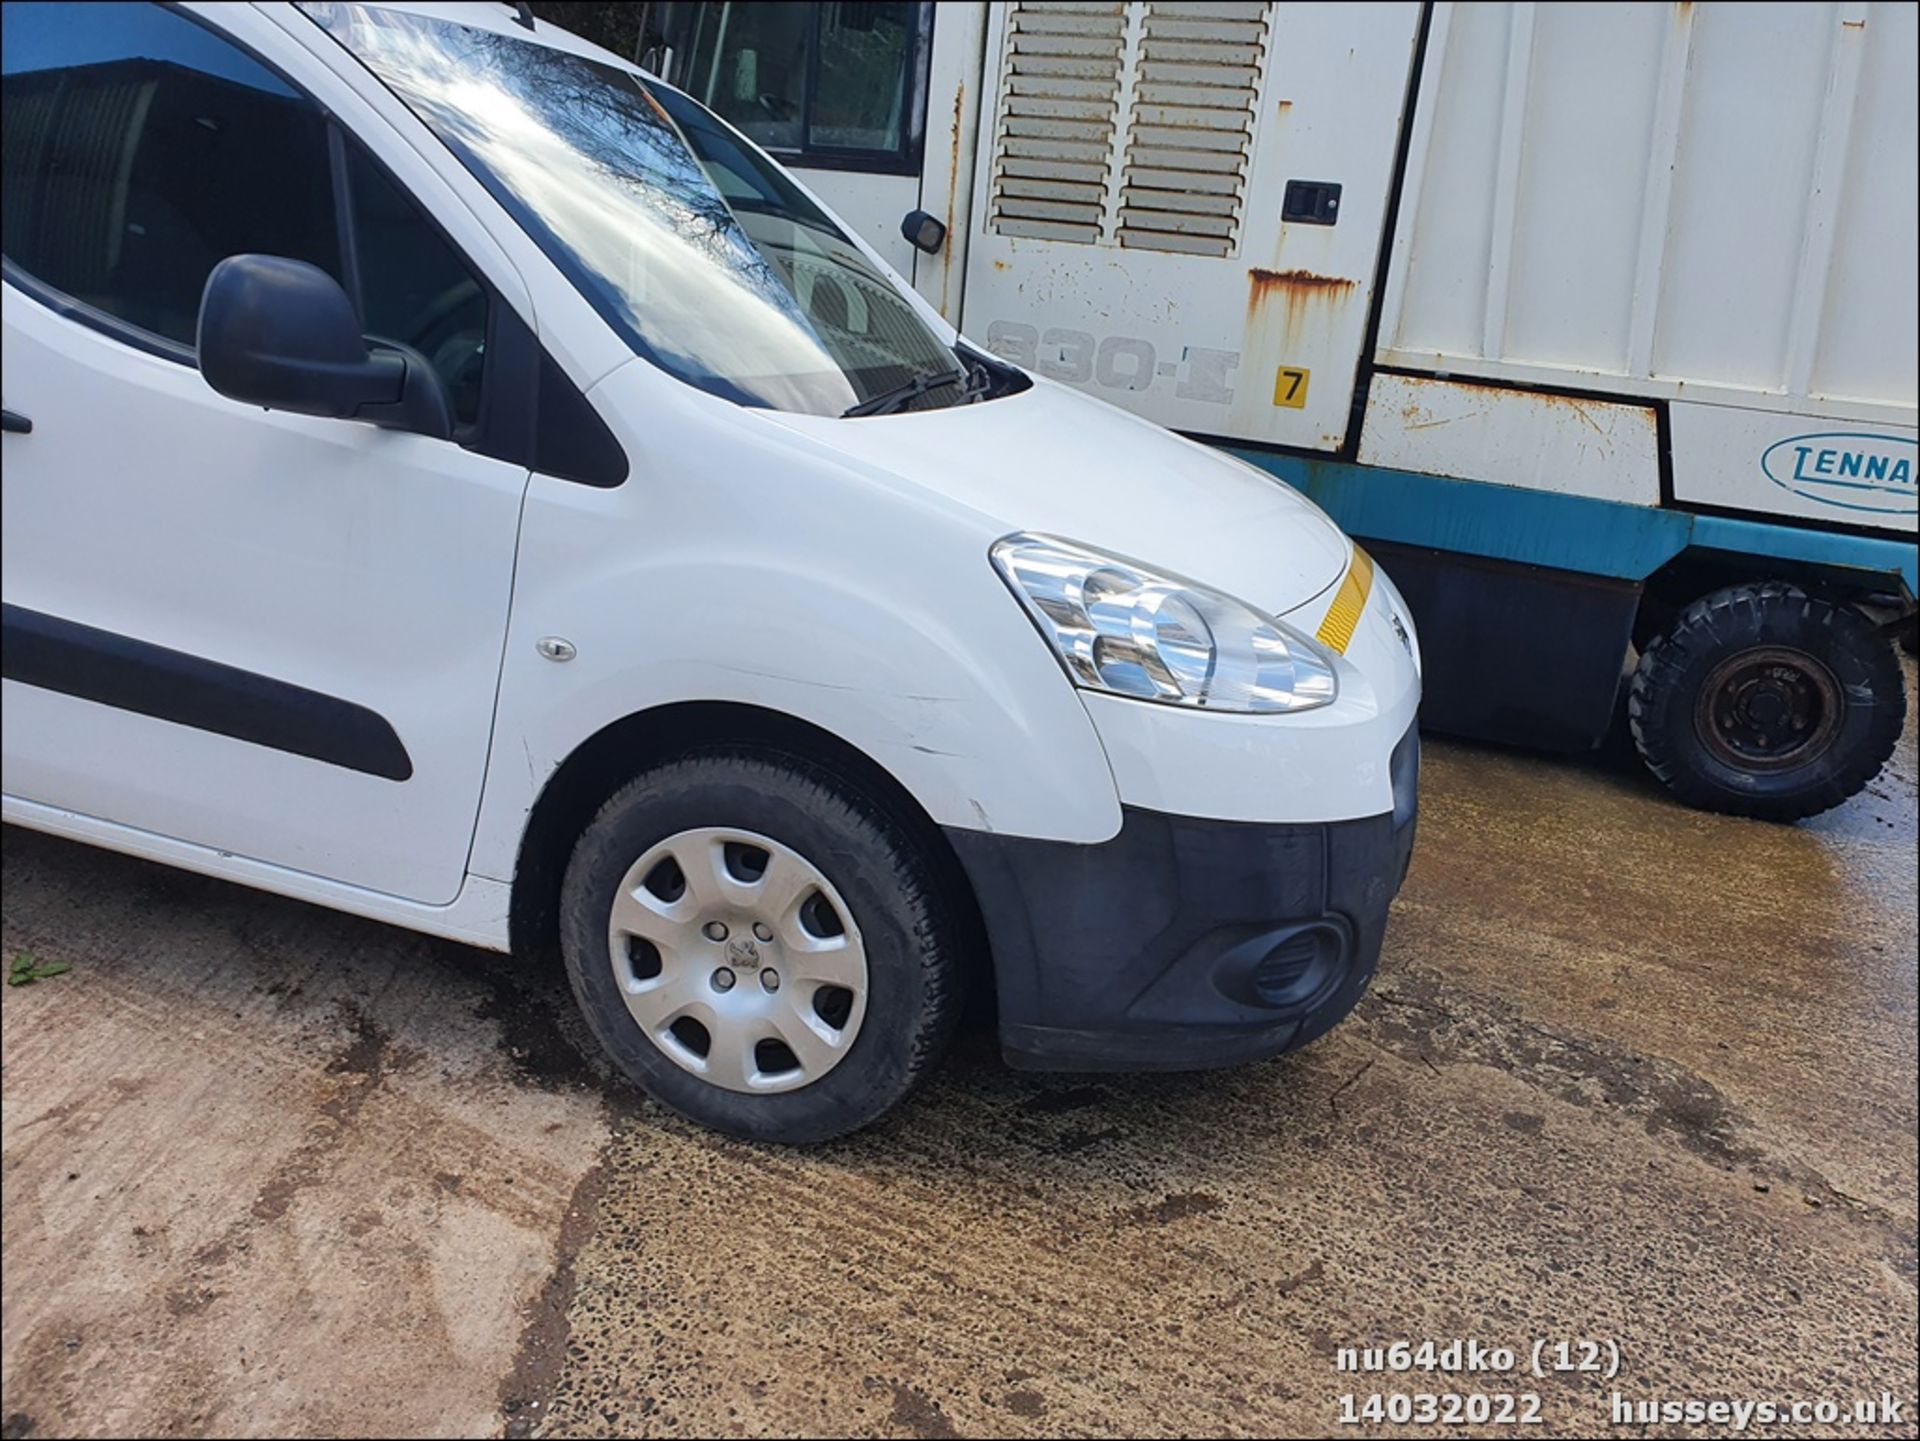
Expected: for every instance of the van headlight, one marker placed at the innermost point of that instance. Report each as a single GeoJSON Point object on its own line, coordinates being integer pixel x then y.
{"type": "Point", "coordinates": [1121, 627]}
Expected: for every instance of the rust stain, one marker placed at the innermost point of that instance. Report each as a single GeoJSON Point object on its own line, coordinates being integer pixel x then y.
{"type": "Point", "coordinates": [1267, 280]}
{"type": "Point", "coordinates": [1455, 383]}
{"type": "Point", "coordinates": [953, 186]}
{"type": "Point", "coordinates": [953, 150]}
{"type": "Point", "coordinates": [1298, 290]}
{"type": "Point", "coordinates": [1581, 411]}
{"type": "Point", "coordinates": [644, 95]}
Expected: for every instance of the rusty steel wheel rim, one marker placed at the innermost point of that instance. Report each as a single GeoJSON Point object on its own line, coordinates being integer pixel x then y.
{"type": "Point", "coordinates": [1770, 708]}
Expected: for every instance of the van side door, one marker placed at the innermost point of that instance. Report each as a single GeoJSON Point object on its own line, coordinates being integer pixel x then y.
{"type": "Point", "coordinates": [269, 634]}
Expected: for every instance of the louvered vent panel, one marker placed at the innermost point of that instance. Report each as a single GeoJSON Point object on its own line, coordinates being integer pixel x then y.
{"type": "Point", "coordinates": [1059, 100]}
{"type": "Point", "coordinates": [1191, 132]}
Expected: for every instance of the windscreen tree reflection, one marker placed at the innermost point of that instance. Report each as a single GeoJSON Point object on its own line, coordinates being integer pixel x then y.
{"type": "Point", "coordinates": [710, 264]}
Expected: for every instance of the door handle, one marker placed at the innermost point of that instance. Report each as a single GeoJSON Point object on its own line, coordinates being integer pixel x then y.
{"type": "Point", "coordinates": [15, 423]}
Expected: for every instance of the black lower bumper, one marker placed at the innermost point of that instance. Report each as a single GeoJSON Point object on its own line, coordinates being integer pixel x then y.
{"type": "Point", "coordinates": [1182, 944]}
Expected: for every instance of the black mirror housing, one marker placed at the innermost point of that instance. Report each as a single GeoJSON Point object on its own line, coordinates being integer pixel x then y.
{"type": "Point", "coordinates": [282, 334]}
{"type": "Point", "coordinates": [923, 232]}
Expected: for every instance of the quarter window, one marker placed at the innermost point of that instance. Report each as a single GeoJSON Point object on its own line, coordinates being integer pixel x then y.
{"type": "Point", "coordinates": [413, 287]}
{"type": "Point", "coordinates": [141, 149]}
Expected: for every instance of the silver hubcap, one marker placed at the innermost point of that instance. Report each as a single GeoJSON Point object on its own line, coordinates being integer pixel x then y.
{"type": "Point", "coordinates": [738, 959]}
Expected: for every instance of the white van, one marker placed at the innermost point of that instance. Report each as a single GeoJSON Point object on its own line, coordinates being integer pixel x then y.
{"type": "Point", "coordinates": [452, 477]}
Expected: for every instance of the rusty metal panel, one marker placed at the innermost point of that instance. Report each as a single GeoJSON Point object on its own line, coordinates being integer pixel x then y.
{"type": "Point", "coordinates": [1568, 445]}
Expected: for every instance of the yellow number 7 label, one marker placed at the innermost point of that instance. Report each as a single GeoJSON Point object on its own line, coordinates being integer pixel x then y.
{"type": "Point", "coordinates": [1290, 387]}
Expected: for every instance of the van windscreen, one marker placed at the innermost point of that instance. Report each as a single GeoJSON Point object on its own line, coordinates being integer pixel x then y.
{"type": "Point", "coordinates": [698, 251]}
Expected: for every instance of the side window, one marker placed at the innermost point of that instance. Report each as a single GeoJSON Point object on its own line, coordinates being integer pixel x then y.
{"type": "Point", "coordinates": [833, 82]}
{"type": "Point", "coordinates": [860, 90]}
{"type": "Point", "coordinates": [749, 64]}
{"type": "Point", "coordinates": [414, 287]}
{"type": "Point", "coordinates": [141, 149]}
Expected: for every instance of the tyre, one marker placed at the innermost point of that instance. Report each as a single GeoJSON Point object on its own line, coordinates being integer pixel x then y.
{"type": "Point", "coordinates": [1764, 701]}
{"type": "Point", "coordinates": [762, 946]}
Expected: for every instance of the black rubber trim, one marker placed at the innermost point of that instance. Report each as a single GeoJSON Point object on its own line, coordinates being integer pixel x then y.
{"type": "Point", "coordinates": [1158, 949]}
{"type": "Point", "coordinates": [570, 440]}
{"type": "Point", "coordinates": [135, 675]}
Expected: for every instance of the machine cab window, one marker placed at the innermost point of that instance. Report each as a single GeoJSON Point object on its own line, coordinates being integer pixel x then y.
{"type": "Point", "coordinates": [833, 85]}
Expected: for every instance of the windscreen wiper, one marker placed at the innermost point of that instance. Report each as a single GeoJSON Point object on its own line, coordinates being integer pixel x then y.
{"type": "Point", "coordinates": [888, 401]}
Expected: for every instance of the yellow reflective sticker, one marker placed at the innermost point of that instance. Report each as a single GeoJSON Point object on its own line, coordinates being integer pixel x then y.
{"type": "Point", "coordinates": [1336, 631]}
{"type": "Point", "coordinates": [1290, 387]}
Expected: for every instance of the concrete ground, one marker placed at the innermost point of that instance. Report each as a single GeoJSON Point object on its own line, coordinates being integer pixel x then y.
{"type": "Point", "coordinates": [1630, 1074]}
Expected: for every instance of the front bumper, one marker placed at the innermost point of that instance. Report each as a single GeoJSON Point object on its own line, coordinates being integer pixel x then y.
{"type": "Point", "coordinates": [1185, 943]}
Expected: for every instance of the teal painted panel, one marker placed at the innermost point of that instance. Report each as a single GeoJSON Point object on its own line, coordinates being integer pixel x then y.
{"type": "Point", "coordinates": [1818, 547]}
{"type": "Point", "coordinates": [1565, 532]}
{"type": "Point", "coordinates": [1505, 522]}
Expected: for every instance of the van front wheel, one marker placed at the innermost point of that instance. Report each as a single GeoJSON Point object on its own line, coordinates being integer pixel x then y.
{"type": "Point", "coordinates": [1765, 701]}
{"type": "Point", "coordinates": [761, 946]}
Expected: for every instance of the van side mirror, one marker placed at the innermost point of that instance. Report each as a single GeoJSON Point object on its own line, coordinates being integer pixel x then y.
{"type": "Point", "coordinates": [282, 334]}
{"type": "Point", "coordinates": [923, 232]}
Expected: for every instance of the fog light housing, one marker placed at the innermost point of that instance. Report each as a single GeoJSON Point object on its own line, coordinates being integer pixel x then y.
{"type": "Point", "coordinates": [1287, 971]}
{"type": "Point", "coordinates": [1301, 970]}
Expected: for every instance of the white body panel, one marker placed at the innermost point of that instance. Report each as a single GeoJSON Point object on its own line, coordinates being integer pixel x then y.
{"type": "Point", "coordinates": [1791, 465]}
{"type": "Point", "coordinates": [1565, 444]}
{"type": "Point", "coordinates": [1153, 496]}
{"type": "Point", "coordinates": [767, 570]}
{"type": "Point", "coordinates": [1709, 203]}
{"type": "Point", "coordinates": [835, 571]}
{"type": "Point", "coordinates": [1644, 197]}
{"type": "Point", "coordinates": [952, 139]}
